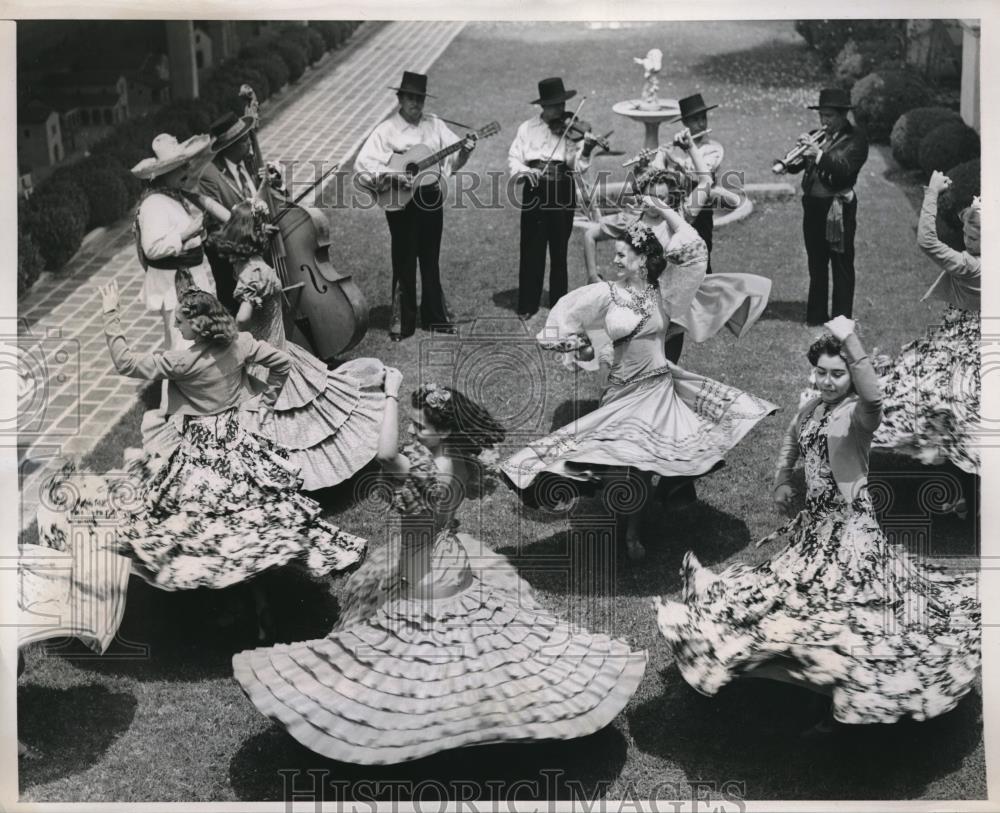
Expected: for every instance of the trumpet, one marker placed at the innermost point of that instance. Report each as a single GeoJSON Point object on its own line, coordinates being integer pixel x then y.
{"type": "Point", "coordinates": [647, 154]}
{"type": "Point", "coordinates": [794, 155]}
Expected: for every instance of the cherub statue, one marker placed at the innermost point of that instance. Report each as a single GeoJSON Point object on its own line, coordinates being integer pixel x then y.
{"type": "Point", "coordinates": [651, 63]}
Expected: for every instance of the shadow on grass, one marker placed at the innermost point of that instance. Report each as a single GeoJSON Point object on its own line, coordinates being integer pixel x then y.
{"type": "Point", "coordinates": [572, 410]}
{"type": "Point", "coordinates": [507, 300]}
{"type": "Point", "coordinates": [750, 734]}
{"type": "Point", "coordinates": [568, 561]}
{"type": "Point", "coordinates": [69, 728]}
{"type": "Point", "coordinates": [771, 64]}
{"type": "Point", "coordinates": [488, 774]}
{"type": "Point", "coordinates": [193, 634]}
{"type": "Point", "coordinates": [379, 316]}
{"type": "Point", "coordinates": [784, 311]}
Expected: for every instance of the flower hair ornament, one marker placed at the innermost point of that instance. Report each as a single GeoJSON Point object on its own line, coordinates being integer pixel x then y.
{"type": "Point", "coordinates": [437, 397]}
{"type": "Point", "coordinates": [641, 237]}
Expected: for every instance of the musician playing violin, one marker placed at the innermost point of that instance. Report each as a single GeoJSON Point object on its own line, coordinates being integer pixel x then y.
{"type": "Point", "coordinates": [830, 205]}
{"type": "Point", "coordinates": [543, 156]}
{"type": "Point", "coordinates": [416, 228]}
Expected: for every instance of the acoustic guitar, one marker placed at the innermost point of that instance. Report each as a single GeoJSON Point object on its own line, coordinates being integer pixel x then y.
{"type": "Point", "coordinates": [419, 166]}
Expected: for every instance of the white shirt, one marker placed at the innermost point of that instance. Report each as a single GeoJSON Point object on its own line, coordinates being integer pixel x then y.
{"type": "Point", "coordinates": [536, 142]}
{"type": "Point", "coordinates": [396, 135]}
{"type": "Point", "coordinates": [240, 176]}
{"type": "Point", "coordinates": [712, 154]}
{"type": "Point", "coordinates": [161, 222]}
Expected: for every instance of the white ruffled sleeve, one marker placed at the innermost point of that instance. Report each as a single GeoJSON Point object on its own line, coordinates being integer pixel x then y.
{"type": "Point", "coordinates": [734, 301]}
{"type": "Point", "coordinates": [687, 262]}
{"type": "Point", "coordinates": [576, 313]}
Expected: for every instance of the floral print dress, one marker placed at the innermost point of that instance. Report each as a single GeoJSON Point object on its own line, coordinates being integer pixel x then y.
{"type": "Point", "coordinates": [839, 609]}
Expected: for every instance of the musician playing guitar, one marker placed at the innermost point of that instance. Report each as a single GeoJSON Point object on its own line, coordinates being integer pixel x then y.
{"type": "Point", "coordinates": [415, 228]}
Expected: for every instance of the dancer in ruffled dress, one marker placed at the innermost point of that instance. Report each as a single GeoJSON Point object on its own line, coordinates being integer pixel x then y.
{"type": "Point", "coordinates": [839, 610]}
{"type": "Point", "coordinates": [225, 505]}
{"type": "Point", "coordinates": [931, 395]}
{"type": "Point", "coordinates": [654, 417]}
{"type": "Point", "coordinates": [440, 644]}
{"type": "Point", "coordinates": [328, 421]}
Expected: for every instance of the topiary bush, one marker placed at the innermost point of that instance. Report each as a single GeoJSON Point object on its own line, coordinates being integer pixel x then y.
{"type": "Point", "coordinates": [294, 56]}
{"type": "Point", "coordinates": [101, 179]}
{"type": "Point", "coordinates": [56, 226]}
{"type": "Point", "coordinates": [273, 67]}
{"type": "Point", "coordinates": [317, 45]}
{"type": "Point", "coordinates": [965, 184]}
{"type": "Point", "coordinates": [29, 261]}
{"type": "Point", "coordinates": [333, 32]}
{"type": "Point", "coordinates": [858, 58]}
{"type": "Point", "coordinates": [948, 145]}
{"type": "Point", "coordinates": [911, 127]}
{"type": "Point", "coordinates": [883, 96]}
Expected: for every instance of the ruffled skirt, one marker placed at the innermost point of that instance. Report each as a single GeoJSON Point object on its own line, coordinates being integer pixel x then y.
{"type": "Point", "coordinates": [329, 421]}
{"type": "Point", "coordinates": [471, 661]}
{"type": "Point", "coordinates": [673, 423]}
{"type": "Point", "coordinates": [224, 507]}
{"type": "Point", "coordinates": [840, 609]}
{"type": "Point", "coordinates": [931, 395]}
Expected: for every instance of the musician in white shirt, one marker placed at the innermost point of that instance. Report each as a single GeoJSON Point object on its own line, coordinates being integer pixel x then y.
{"type": "Point", "coordinates": [415, 229]}
{"type": "Point", "coordinates": [545, 160]}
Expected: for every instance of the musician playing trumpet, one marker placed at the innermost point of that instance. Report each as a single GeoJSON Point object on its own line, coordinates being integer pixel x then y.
{"type": "Point", "coordinates": [830, 163]}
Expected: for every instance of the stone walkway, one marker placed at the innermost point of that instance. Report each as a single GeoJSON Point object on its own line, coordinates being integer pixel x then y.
{"type": "Point", "coordinates": [72, 395]}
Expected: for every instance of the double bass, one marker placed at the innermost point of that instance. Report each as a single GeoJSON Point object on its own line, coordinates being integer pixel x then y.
{"type": "Point", "coordinates": [325, 311]}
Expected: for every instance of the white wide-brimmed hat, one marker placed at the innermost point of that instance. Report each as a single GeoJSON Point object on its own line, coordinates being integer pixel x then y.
{"type": "Point", "coordinates": [169, 154]}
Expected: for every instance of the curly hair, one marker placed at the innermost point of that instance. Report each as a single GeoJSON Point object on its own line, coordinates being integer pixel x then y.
{"type": "Point", "coordinates": [825, 345]}
{"type": "Point", "coordinates": [472, 427]}
{"type": "Point", "coordinates": [210, 321]}
{"type": "Point", "coordinates": [640, 238]}
{"type": "Point", "coordinates": [242, 236]}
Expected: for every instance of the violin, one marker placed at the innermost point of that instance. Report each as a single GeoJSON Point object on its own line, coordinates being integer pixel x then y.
{"type": "Point", "coordinates": [328, 314]}
{"type": "Point", "coordinates": [576, 130]}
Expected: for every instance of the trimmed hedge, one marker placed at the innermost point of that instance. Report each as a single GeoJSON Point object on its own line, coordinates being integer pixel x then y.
{"type": "Point", "coordinates": [948, 145]}
{"type": "Point", "coordinates": [858, 58]}
{"type": "Point", "coordinates": [57, 223]}
{"type": "Point", "coordinates": [29, 259]}
{"type": "Point", "coordinates": [883, 96]}
{"type": "Point", "coordinates": [911, 127]}
{"type": "Point", "coordinates": [102, 181]}
{"type": "Point", "coordinates": [101, 189]}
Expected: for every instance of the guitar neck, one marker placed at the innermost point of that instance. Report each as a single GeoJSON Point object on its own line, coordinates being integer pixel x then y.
{"type": "Point", "coordinates": [430, 160]}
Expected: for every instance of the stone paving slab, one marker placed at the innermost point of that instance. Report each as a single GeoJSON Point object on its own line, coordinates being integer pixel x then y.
{"type": "Point", "coordinates": [60, 325]}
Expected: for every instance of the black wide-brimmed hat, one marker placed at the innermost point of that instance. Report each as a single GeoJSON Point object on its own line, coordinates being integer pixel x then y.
{"type": "Point", "coordinates": [833, 97]}
{"type": "Point", "coordinates": [229, 129]}
{"type": "Point", "coordinates": [552, 91]}
{"type": "Point", "coordinates": [692, 106]}
{"type": "Point", "coordinates": [415, 83]}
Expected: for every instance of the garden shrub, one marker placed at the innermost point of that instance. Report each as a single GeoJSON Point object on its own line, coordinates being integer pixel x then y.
{"type": "Point", "coordinates": [294, 56]}
{"type": "Point", "coordinates": [948, 145]}
{"type": "Point", "coordinates": [273, 67]}
{"type": "Point", "coordinates": [29, 261]}
{"type": "Point", "coordinates": [101, 180]}
{"type": "Point", "coordinates": [56, 225]}
{"type": "Point", "coordinates": [860, 57]}
{"type": "Point", "coordinates": [883, 96]}
{"type": "Point", "coordinates": [911, 127]}
{"type": "Point", "coordinates": [828, 37]}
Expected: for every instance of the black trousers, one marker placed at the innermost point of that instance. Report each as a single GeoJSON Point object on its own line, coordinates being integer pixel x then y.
{"type": "Point", "coordinates": [546, 223]}
{"type": "Point", "coordinates": [416, 238]}
{"type": "Point", "coordinates": [822, 260]}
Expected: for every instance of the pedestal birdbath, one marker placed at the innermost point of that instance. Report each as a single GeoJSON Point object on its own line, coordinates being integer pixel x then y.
{"type": "Point", "coordinates": [649, 115]}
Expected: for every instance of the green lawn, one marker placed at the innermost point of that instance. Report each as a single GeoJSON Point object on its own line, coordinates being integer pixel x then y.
{"type": "Point", "coordinates": [175, 725]}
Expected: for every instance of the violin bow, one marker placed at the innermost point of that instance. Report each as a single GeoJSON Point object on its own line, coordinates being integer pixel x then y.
{"type": "Point", "coordinates": [565, 131]}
